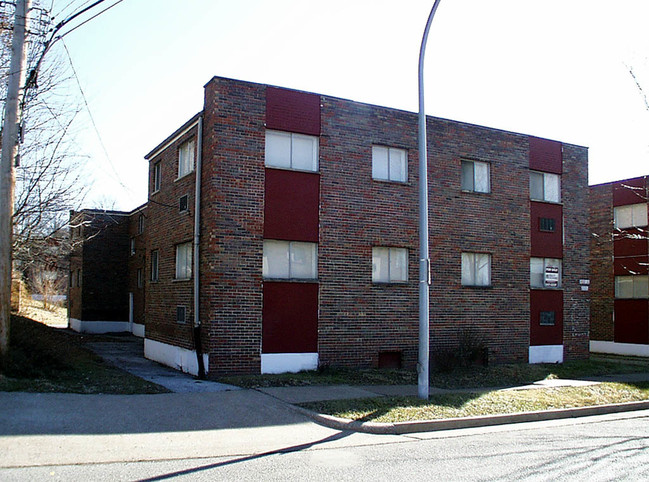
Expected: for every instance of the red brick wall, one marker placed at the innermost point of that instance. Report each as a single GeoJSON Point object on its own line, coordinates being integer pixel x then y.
{"type": "Point", "coordinates": [101, 252]}
{"type": "Point", "coordinates": [167, 227]}
{"type": "Point", "coordinates": [137, 261]}
{"type": "Point", "coordinates": [576, 255]}
{"type": "Point", "coordinates": [602, 285]}
{"type": "Point", "coordinates": [232, 224]}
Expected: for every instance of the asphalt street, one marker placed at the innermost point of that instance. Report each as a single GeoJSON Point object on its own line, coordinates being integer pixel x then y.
{"type": "Point", "coordinates": [601, 448]}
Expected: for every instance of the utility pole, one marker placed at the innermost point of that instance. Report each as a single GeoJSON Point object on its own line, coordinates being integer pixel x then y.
{"type": "Point", "coordinates": [10, 135]}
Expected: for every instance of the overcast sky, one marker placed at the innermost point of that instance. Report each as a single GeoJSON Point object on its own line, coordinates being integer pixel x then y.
{"type": "Point", "coordinates": [551, 68]}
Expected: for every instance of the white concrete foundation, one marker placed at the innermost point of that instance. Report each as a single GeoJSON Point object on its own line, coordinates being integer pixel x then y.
{"type": "Point", "coordinates": [613, 348]}
{"type": "Point", "coordinates": [546, 354]}
{"type": "Point", "coordinates": [97, 327]}
{"type": "Point", "coordinates": [288, 362]}
{"type": "Point", "coordinates": [174, 356]}
{"type": "Point", "coordinates": [138, 330]}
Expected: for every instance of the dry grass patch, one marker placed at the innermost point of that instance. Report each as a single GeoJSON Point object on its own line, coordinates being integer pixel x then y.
{"type": "Point", "coordinates": [454, 405]}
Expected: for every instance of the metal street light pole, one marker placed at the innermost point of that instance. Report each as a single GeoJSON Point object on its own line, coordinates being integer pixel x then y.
{"type": "Point", "coordinates": [424, 258]}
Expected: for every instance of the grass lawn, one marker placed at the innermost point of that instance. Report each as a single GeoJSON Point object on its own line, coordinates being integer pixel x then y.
{"type": "Point", "coordinates": [474, 377]}
{"type": "Point", "coordinates": [453, 405]}
{"type": "Point", "coordinates": [46, 359]}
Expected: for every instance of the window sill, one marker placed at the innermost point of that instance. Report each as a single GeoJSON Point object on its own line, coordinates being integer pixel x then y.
{"type": "Point", "coordinates": [556, 203]}
{"type": "Point", "coordinates": [155, 192]}
{"type": "Point", "coordinates": [389, 283]}
{"type": "Point", "coordinates": [184, 176]}
{"type": "Point", "coordinates": [391, 181]}
{"type": "Point", "coordinates": [546, 288]}
{"type": "Point", "coordinates": [478, 193]}
{"type": "Point", "coordinates": [180, 280]}
{"type": "Point", "coordinates": [478, 287]}
{"type": "Point", "coordinates": [282, 168]}
{"type": "Point", "coordinates": [290, 280]}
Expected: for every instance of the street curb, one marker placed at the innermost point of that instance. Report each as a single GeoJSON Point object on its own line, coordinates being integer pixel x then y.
{"type": "Point", "coordinates": [399, 428]}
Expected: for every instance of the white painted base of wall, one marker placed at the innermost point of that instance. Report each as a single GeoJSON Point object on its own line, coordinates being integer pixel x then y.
{"type": "Point", "coordinates": [138, 330]}
{"type": "Point", "coordinates": [546, 354]}
{"type": "Point", "coordinates": [174, 356]}
{"type": "Point", "coordinates": [99, 326]}
{"type": "Point", "coordinates": [288, 362]}
{"type": "Point", "coordinates": [613, 348]}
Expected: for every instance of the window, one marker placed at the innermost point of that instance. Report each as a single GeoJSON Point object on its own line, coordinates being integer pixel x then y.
{"type": "Point", "coordinates": [183, 204]}
{"type": "Point", "coordinates": [291, 151]}
{"type": "Point", "coordinates": [547, 318]}
{"type": "Point", "coordinates": [154, 265]}
{"type": "Point", "coordinates": [547, 224]}
{"type": "Point", "coordinates": [632, 286]}
{"type": "Point", "coordinates": [389, 164]}
{"type": "Point", "coordinates": [631, 216]}
{"type": "Point", "coordinates": [389, 265]}
{"type": "Point", "coordinates": [140, 224]}
{"type": "Point", "coordinates": [475, 176]}
{"type": "Point", "coordinates": [140, 278]}
{"type": "Point", "coordinates": [186, 158]}
{"type": "Point", "coordinates": [476, 269]}
{"type": "Point", "coordinates": [184, 261]}
{"type": "Point", "coordinates": [157, 177]}
{"type": "Point", "coordinates": [545, 187]}
{"type": "Point", "coordinates": [78, 278]}
{"type": "Point", "coordinates": [71, 279]}
{"type": "Point", "coordinates": [132, 246]}
{"type": "Point", "coordinates": [545, 273]}
{"type": "Point", "coordinates": [290, 259]}
{"type": "Point", "coordinates": [181, 314]}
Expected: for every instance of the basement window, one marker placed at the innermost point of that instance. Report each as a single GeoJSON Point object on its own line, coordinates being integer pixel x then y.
{"type": "Point", "coordinates": [183, 204]}
{"type": "Point", "coordinates": [181, 314]}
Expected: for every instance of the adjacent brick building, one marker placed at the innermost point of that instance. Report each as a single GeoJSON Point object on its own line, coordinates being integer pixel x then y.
{"type": "Point", "coordinates": [307, 252]}
{"type": "Point", "coordinates": [620, 267]}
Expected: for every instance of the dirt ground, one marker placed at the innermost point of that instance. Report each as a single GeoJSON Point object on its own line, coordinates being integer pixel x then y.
{"type": "Point", "coordinates": [56, 317]}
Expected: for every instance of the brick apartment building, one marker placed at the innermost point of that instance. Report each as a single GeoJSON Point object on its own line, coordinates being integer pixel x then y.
{"type": "Point", "coordinates": [307, 252]}
{"type": "Point", "coordinates": [106, 290]}
{"type": "Point", "coordinates": [620, 267]}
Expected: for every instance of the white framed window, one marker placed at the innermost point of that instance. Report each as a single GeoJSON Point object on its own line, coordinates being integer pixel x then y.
{"type": "Point", "coordinates": [476, 269]}
{"type": "Point", "coordinates": [186, 158]}
{"type": "Point", "coordinates": [183, 203]}
{"type": "Point", "coordinates": [389, 265]}
{"type": "Point", "coordinates": [476, 176]}
{"type": "Point", "coordinates": [630, 216]}
{"type": "Point", "coordinates": [389, 164]}
{"type": "Point", "coordinates": [545, 273]}
{"type": "Point", "coordinates": [140, 278]}
{"type": "Point", "coordinates": [132, 246]}
{"type": "Point", "coordinates": [155, 260]}
{"type": "Point", "coordinates": [632, 286]}
{"type": "Point", "coordinates": [545, 186]}
{"type": "Point", "coordinates": [157, 176]}
{"type": "Point", "coordinates": [184, 261]}
{"type": "Point", "coordinates": [290, 260]}
{"type": "Point", "coordinates": [140, 224]}
{"type": "Point", "coordinates": [291, 151]}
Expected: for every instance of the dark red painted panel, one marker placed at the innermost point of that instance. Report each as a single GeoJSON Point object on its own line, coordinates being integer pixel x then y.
{"type": "Point", "coordinates": [290, 318]}
{"type": "Point", "coordinates": [629, 265]}
{"type": "Point", "coordinates": [293, 111]}
{"type": "Point", "coordinates": [546, 300]}
{"type": "Point", "coordinates": [291, 206]}
{"type": "Point", "coordinates": [546, 155]}
{"type": "Point", "coordinates": [630, 242]}
{"type": "Point", "coordinates": [546, 244]}
{"type": "Point", "coordinates": [630, 191]}
{"type": "Point", "coordinates": [632, 321]}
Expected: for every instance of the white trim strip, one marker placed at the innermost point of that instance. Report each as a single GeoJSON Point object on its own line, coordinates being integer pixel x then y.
{"type": "Point", "coordinates": [288, 362]}
{"type": "Point", "coordinates": [174, 356]}
{"type": "Point", "coordinates": [613, 348]}
{"type": "Point", "coordinates": [546, 354]}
